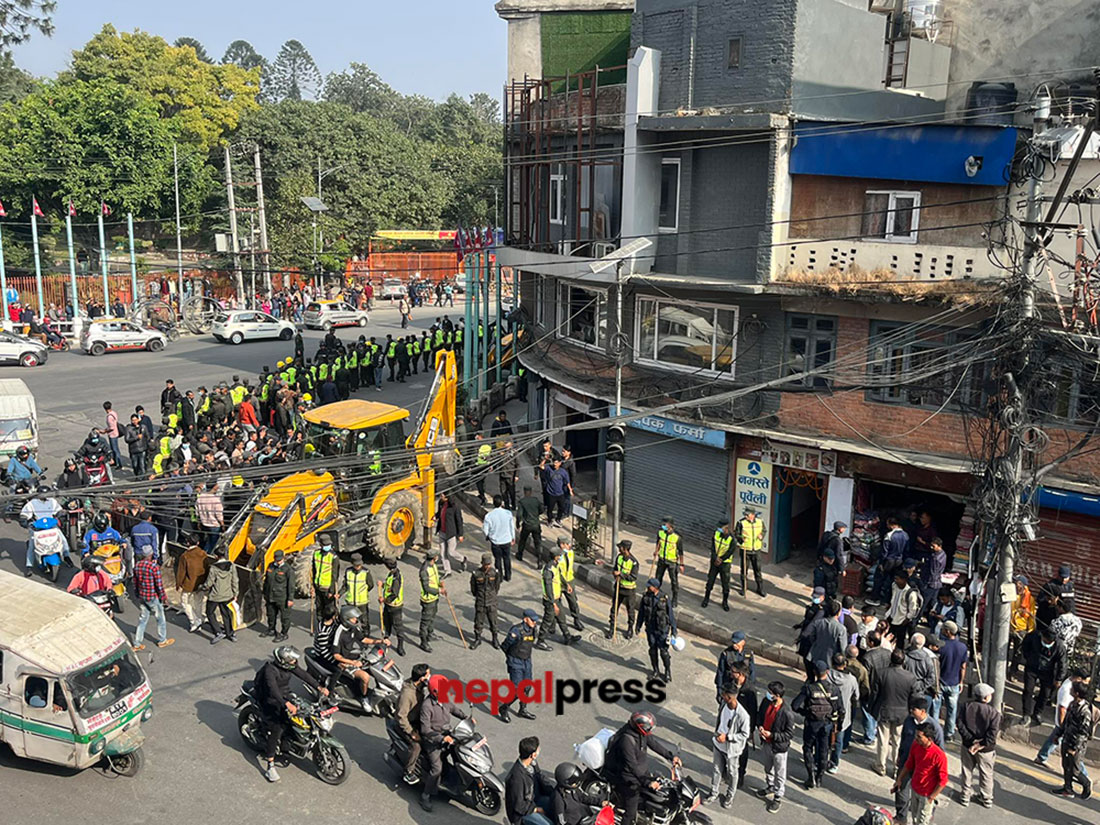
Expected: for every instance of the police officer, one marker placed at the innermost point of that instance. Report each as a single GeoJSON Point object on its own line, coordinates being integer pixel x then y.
{"type": "Point", "coordinates": [517, 646]}
{"type": "Point", "coordinates": [378, 364]}
{"type": "Point", "coordinates": [278, 592]}
{"type": "Point", "coordinates": [819, 702]}
{"type": "Point", "coordinates": [431, 586]}
{"type": "Point", "coordinates": [326, 573]}
{"type": "Point", "coordinates": [735, 653]}
{"type": "Point", "coordinates": [413, 346]}
{"type": "Point", "coordinates": [626, 576]}
{"type": "Point", "coordinates": [351, 364]}
{"type": "Point", "coordinates": [426, 349]}
{"type": "Point", "coordinates": [404, 354]}
{"type": "Point", "coordinates": [721, 556]}
{"type": "Point", "coordinates": [484, 586]}
{"type": "Point", "coordinates": [566, 563]}
{"type": "Point", "coordinates": [390, 348]}
{"type": "Point", "coordinates": [750, 541]}
{"type": "Point", "coordinates": [392, 600]}
{"type": "Point", "coordinates": [551, 601]}
{"type": "Point", "coordinates": [358, 586]}
{"type": "Point", "coordinates": [659, 619]}
{"type": "Point", "coordinates": [669, 556]}
{"type": "Point", "coordinates": [481, 464]}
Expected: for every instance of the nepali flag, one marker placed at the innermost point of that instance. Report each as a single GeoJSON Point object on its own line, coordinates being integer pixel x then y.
{"type": "Point", "coordinates": [72, 210]}
{"type": "Point", "coordinates": [487, 238]}
{"type": "Point", "coordinates": [37, 210]}
{"type": "Point", "coordinates": [460, 243]}
{"type": "Point", "coordinates": [475, 239]}
{"type": "Point", "coordinates": [106, 209]}
{"type": "Point", "coordinates": [3, 211]}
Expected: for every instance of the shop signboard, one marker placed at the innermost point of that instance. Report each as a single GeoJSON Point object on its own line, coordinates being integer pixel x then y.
{"type": "Point", "coordinates": [679, 429]}
{"type": "Point", "coordinates": [800, 458]}
{"type": "Point", "coordinates": [754, 489]}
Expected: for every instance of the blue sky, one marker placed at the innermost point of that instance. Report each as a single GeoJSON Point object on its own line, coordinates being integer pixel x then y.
{"type": "Point", "coordinates": [429, 47]}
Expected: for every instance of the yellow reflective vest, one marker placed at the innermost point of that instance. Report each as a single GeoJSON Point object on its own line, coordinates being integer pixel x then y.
{"type": "Point", "coordinates": [722, 544]}
{"type": "Point", "coordinates": [483, 453]}
{"type": "Point", "coordinates": [322, 569]}
{"type": "Point", "coordinates": [429, 583]}
{"type": "Point", "coordinates": [551, 583]}
{"type": "Point", "coordinates": [357, 586]}
{"type": "Point", "coordinates": [627, 568]}
{"type": "Point", "coordinates": [668, 546]}
{"type": "Point", "coordinates": [751, 535]}
{"type": "Point", "coordinates": [565, 564]}
{"type": "Point", "coordinates": [392, 597]}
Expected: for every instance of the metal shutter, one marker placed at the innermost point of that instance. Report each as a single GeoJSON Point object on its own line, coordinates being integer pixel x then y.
{"type": "Point", "coordinates": [683, 481]}
{"type": "Point", "coordinates": [1067, 538]}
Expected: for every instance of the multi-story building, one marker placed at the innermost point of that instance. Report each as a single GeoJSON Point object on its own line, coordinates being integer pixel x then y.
{"type": "Point", "coordinates": [817, 198]}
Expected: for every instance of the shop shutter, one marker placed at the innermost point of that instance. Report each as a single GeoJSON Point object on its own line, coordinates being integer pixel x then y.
{"type": "Point", "coordinates": [1067, 538]}
{"type": "Point", "coordinates": [670, 477]}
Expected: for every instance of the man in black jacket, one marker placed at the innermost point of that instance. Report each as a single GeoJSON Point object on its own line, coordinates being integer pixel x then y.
{"type": "Point", "coordinates": [449, 529]}
{"type": "Point", "coordinates": [659, 619]}
{"type": "Point", "coordinates": [820, 704]}
{"type": "Point", "coordinates": [776, 724]}
{"type": "Point", "coordinates": [890, 707]}
{"type": "Point", "coordinates": [1044, 665]}
{"type": "Point", "coordinates": [527, 794]}
{"type": "Point", "coordinates": [435, 726]}
{"type": "Point", "coordinates": [278, 596]}
{"type": "Point", "coordinates": [187, 413]}
{"type": "Point", "coordinates": [272, 683]}
{"type": "Point", "coordinates": [528, 512]}
{"type": "Point", "coordinates": [1078, 728]}
{"type": "Point", "coordinates": [626, 765]}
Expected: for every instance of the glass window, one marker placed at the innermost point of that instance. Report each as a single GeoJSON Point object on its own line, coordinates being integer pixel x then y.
{"type": "Point", "coordinates": [694, 336]}
{"type": "Point", "coordinates": [925, 368]}
{"type": "Point", "coordinates": [103, 684]}
{"type": "Point", "coordinates": [733, 60]}
{"type": "Point", "coordinates": [669, 216]}
{"type": "Point", "coordinates": [891, 216]}
{"type": "Point", "coordinates": [36, 692]}
{"type": "Point", "coordinates": [557, 199]}
{"type": "Point", "coordinates": [583, 315]}
{"type": "Point", "coordinates": [811, 345]}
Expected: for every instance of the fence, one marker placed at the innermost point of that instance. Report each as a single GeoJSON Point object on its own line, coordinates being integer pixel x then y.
{"type": "Point", "coordinates": [431, 266]}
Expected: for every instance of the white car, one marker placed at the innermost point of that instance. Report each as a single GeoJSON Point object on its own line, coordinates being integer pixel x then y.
{"type": "Point", "coordinates": [26, 352]}
{"type": "Point", "coordinates": [249, 325]}
{"type": "Point", "coordinates": [329, 314]}
{"type": "Point", "coordinates": [119, 334]}
{"type": "Point", "coordinates": [393, 289]}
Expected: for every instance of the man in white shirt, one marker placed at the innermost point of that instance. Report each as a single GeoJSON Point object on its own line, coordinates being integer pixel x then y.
{"type": "Point", "coordinates": [1065, 697]}
{"type": "Point", "coordinates": [730, 736]}
{"type": "Point", "coordinates": [499, 527]}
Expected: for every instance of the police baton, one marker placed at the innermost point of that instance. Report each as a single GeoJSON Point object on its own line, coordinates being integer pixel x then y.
{"type": "Point", "coordinates": [454, 616]}
{"type": "Point", "coordinates": [381, 610]}
{"type": "Point", "coordinates": [615, 611]}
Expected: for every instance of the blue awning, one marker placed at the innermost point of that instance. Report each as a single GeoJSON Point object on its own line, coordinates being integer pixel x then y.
{"type": "Point", "coordinates": [930, 153]}
{"type": "Point", "coordinates": [1070, 502]}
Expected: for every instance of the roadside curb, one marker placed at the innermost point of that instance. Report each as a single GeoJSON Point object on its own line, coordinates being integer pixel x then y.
{"type": "Point", "coordinates": [1024, 734]}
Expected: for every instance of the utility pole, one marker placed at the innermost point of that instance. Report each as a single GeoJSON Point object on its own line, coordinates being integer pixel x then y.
{"type": "Point", "coordinates": [235, 250]}
{"type": "Point", "coordinates": [620, 355]}
{"type": "Point", "coordinates": [265, 253]}
{"type": "Point", "coordinates": [179, 230]}
{"type": "Point", "coordinates": [252, 250]}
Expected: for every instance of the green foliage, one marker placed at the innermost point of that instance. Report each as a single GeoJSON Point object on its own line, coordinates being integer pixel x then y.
{"type": "Point", "coordinates": [200, 50]}
{"type": "Point", "coordinates": [294, 75]}
{"type": "Point", "coordinates": [15, 84]}
{"type": "Point", "coordinates": [206, 101]}
{"type": "Point", "coordinates": [19, 19]}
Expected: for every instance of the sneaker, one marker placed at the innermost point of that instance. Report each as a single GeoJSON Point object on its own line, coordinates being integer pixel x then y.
{"type": "Point", "coordinates": [217, 638]}
{"type": "Point", "coordinates": [194, 628]}
{"type": "Point", "coordinates": [1061, 791]}
{"type": "Point", "coordinates": [166, 643]}
{"type": "Point", "coordinates": [271, 774]}
{"type": "Point", "coordinates": [1086, 791]}
{"type": "Point", "coordinates": [543, 646]}
{"type": "Point", "coordinates": [409, 778]}
{"type": "Point", "coordinates": [139, 647]}
{"type": "Point", "coordinates": [282, 637]}
{"type": "Point", "coordinates": [988, 803]}
{"type": "Point", "coordinates": [873, 603]}
{"type": "Point", "coordinates": [962, 800]}
{"type": "Point", "coordinates": [233, 638]}
{"type": "Point", "coordinates": [773, 806]}
{"type": "Point", "coordinates": [832, 769]}
{"type": "Point", "coordinates": [727, 801]}
{"type": "Point", "coordinates": [764, 793]}
{"type": "Point", "coordinates": [1038, 760]}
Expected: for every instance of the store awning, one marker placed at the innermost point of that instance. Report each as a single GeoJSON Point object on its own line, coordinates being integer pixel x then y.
{"type": "Point", "coordinates": [1069, 501]}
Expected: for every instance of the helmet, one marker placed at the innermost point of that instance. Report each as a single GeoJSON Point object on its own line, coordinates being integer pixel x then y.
{"type": "Point", "coordinates": [70, 461]}
{"type": "Point", "coordinates": [91, 563]}
{"type": "Point", "coordinates": [287, 657]}
{"type": "Point", "coordinates": [44, 490]}
{"type": "Point", "coordinates": [93, 437]}
{"type": "Point", "coordinates": [679, 643]}
{"type": "Point", "coordinates": [350, 613]}
{"type": "Point", "coordinates": [567, 775]}
{"type": "Point", "coordinates": [643, 721]}
{"type": "Point", "coordinates": [876, 816]}
{"type": "Point", "coordinates": [436, 684]}
{"type": "Point", "coordinates": [22, 453]}
{"type": "Point", "coordinates": [100, 521]}
{"type": "Point", "coordinates": [307, 397]}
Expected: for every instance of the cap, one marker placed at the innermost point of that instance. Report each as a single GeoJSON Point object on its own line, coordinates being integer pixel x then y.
{"type": "Point", "coordinates": [1023, 580]}
{"type": "Point", "coordinates": [738, 636]}
{"type": "Point", "coordinates": [356, 558]}
{"type": "Point", "coordinates": [626, 544]}
{"type": "Point", "coordinates": [819, 591]}
{"type": "Point", "coordinates": [530, 614]}
{"type": "Point", "coordinates": [147, 550]}
{"type": "Point", "coordinates": [839, 525]}
{"type": "Point", "coordinates": [654, 583]}
{"type": "Point", "coordinates": [1064, 571]}
{"type": "Point", "coordinates": [325, 539]}
{"type": "Point", "coordinates": [910, 563]}
{"type": "Point", "coordinates": [821, 666]}
{"type": "Point", "coordinates": [431, 553]}
{"type": "Point", "coordinates": [486, 558]}
{"type": "Point", "coordinates": [951, 627]}
{"type": "Point", "coordinates": [828, 554]}
{"type": "Point", "coordinates": [278, 555]}
{"type": "Point", "coordinates": [983, 691]}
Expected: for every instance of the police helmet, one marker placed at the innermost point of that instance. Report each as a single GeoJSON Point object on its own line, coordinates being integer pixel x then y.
{"type": "Point", "coordinates": [100, 521]}
{"type": "Point", "coordinates": [567, 775]}
{"type": "Point", "coordinates": [287, 657]}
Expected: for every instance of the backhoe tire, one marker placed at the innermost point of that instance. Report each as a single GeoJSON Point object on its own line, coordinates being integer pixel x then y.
{"type": "Point", "coordinates": [395, 527]}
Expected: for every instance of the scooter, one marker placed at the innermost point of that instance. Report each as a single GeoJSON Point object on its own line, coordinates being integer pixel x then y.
{"type": "Point", "coordinates": [98, 469]}
{"type": "Point", "coordinates": [114, 565]}
{"type": "Point", "coordinates": [386, 680]}
{"type": "Point", "coordinates": [49, 544]}
{"type": "Point", "coordinates": [468, 775]}
{"type": "Point", "coordinates": [105, 600]}
{"type": "Point", "coordinates": [308, 737]}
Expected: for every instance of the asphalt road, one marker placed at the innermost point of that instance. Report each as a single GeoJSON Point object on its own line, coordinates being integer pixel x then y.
{"type": "Point", "coordinates": [198, 769]}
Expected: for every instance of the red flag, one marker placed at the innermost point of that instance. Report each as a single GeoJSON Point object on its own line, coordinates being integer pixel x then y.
{"type": "Point", "coordinates": [3, 211]}
{"type": "Point", "coordinates": [72, 210]}
{"type": "Point", "coordinates": [37, 210]}
{"type": "Point", "coordinates": [475, 239]}
{"type": "Point", "coordinates": [106, 209]}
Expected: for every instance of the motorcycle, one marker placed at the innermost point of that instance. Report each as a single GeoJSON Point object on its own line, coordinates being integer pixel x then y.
{"type": "Point", "coordinates": [468, 775]}
{"type": "Point", "coordinates": [170, 330]}
{"type": "Point", "coordinates": [21, 491]}
{"type": "Point", "coordinates": [114, 566]}
{"type": "Point", "coordinates": [72, 521]}
{"type": "Point", "coordinates": [49, 544]}
{"type": "Point", "coordinates": [386, 680]}
{"type": "Point", "coordinates": [106, 601]}
{"type": "Point", "coordinates": [98, 469]}
{"type": "Point", "coordinates": [308, 737]}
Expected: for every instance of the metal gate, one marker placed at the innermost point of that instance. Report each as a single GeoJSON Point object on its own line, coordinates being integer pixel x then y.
{"type": "Point", "coordinates": [1067, 538]}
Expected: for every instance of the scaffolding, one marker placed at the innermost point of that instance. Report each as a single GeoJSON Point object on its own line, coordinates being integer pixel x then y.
{"type": "Point", "coordinates": [548, 122]}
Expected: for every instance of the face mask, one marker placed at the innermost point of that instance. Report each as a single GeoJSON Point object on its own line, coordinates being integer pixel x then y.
{"type": "Point", "coordinates": [768, 695]}
{"type": "Point", "coordinates": [1048, 644]}
{"type": "Point", "coordinates": [817, 600]}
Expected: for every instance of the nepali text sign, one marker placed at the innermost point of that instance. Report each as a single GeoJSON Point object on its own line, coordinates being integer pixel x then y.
{"type": "Point", "coordinates": [753, 489]}
{"type": "Point", "coordinates": [679, 429]}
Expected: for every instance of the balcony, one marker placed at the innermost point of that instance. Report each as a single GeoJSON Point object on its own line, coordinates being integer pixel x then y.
{"type": "Point", "coordinates": [882, 260]}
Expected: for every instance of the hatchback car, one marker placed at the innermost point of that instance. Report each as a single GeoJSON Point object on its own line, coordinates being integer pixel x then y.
{"type": "Point", "coordinates": [329, 314]}
{"type": "Point", "coordinates": [393, 289]}
{"type": "Point", "coordinates": [248, 325]}
{"type": "Point", "coordinates": [119, 334]}
{"type": "Point", "coordinates": [26, 352]}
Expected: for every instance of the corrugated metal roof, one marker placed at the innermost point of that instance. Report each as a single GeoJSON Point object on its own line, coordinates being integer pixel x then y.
{"type": "Point", "coordinates": [51, 628]}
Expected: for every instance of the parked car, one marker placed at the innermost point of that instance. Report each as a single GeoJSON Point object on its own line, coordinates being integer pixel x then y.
{"type": "Point", "coordinates": [119, 334]}
{"type": "Point", "coordinates": [248, 325]}
{"type": "Point", "coordinates": [393, 289]}
{"type": "Point", "coordinates": [26, 352]}
{"type": "Point", "coordinates": [329, 314]}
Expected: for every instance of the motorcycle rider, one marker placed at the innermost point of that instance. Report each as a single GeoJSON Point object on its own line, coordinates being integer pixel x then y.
{"type": "Point", "coordinates": [627, 765]}
{"type": "Point", "coordinates": [527, 793]}
{"type": "Point", "coordinates": [407, 715]}
{"type": "Point", "coordinates": [43, 505]}
{"type": "Point", "coordinates": [72, 476]}
{"type": "Point", "coordinates": [95, 447]}
{"type": "Point", "coordinates": [272, 683]}
{"type": "Point", "coordinates": [22, 468]}
{"type": "Point", "coordinates": [91, 579]}
{"type": "Point", "coordinates": [347, 650]}
{"type": "Point", "coordinates": [435, 725]}
{"type": "Point", "coordinates": [101, 532]}
{"type": "Point", "coordinates": [569, 805]}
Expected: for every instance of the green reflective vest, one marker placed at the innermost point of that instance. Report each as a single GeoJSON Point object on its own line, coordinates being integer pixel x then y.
{"type": "Point", "coordinates": [375, 466]}
{"type": "Point", "coordinates": [165, 446]}
{"type": "Point", "coordinates": [357, 586]}
{"type": "Point", "coordinates": [668, 546]}
{"type": "Point", "coordinates": [173, 420]}
{"type": "Point", "coordinates": [551, 582]}
{"type": "Point", "coordinates": [391, 350]}
{"type": "Point", "coordinates": [323, 371]}
{"type": "Point", "coordinates": [438, 338]}
{"type": "Point", "coordinates": [627, 568]}
{"type": "Point", "coordinates": [353, 360]}
{"type": "Point", "coordinates": [722, 544]}
{"type": "Point", "coordinates": [337, 364]}
{"type": "Point", "coordinates": [458, 335]}
{"type": "Point", "coordinates": [322, 569]}
{"type": "Point", "coordinates": [483, 453]}
{"type": "Point", "coordinates": [429, 584]}
{"type": "Point", "coordinates": [237, 394]}
{"type": "Point", "coordinates": [389, 595]}
{"type": "Point", "coordinates": [158, 463]}
{"type": "Point", "coordinates": [291, 376]}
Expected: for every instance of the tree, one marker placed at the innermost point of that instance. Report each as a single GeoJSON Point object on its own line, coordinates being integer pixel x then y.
{"type": "Point", "coordinates": [200, 50]}
{"type": "Point", "coordinates": [205, 100]}
{"type": "Point", "coordinates": [21, 18]}
{"type": "Point", "coordinates": [361, 89]}
{"type": "Point", "coordinates": [294, 74]}
{"type": "Point", "coordinates": [15, 84]}
{"type": "Point", "coordinates": [241, 53]}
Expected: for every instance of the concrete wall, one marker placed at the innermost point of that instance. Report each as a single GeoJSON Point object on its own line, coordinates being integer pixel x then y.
{"type": "Point", "coordinates": [641, 169]}
{"type": "Point", "coordinates": [929, 68]}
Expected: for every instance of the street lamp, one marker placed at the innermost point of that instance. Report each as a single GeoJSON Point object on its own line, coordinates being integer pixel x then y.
{"type": "Point", "coordinates": [318, 235]}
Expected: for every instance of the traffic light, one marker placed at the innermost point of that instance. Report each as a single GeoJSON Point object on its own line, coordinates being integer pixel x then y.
{"type": "Point", "coordinates": [616, 442]}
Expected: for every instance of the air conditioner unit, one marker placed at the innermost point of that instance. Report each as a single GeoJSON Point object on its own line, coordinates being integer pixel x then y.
{"type": "Point", "coordinates": [602, 248]}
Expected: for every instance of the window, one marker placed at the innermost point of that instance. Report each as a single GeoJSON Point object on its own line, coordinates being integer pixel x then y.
{"type": "Point", "coordinates": [733, 60]}
{"type": "Point", "coordinates": [925, 368]}
{"type": "Point", "coordinates": [811, 345]}
{"type": "Point", "coordinates": [1063, 396]}
{"type": "Point", "coordinates": [691, 336]}
{"type": "Point", "coordinates": [891, 216]}
{"type": "Point", "coordinates": [582, 315]}
{"type": "Point", "coordinates": [557, 198]}
{"type": "Point", "coordinates": [669, 216]}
